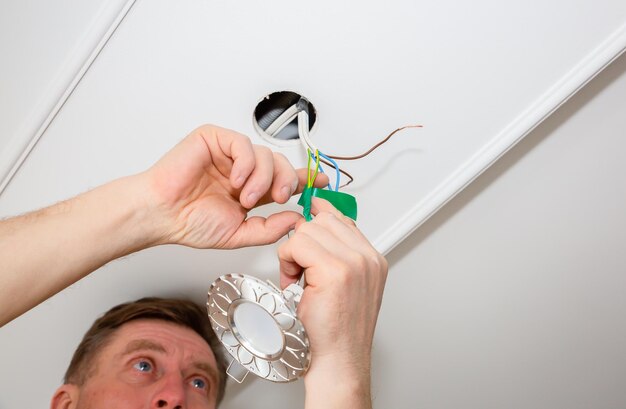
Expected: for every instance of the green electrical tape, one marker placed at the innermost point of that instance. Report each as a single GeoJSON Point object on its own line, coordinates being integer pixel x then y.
{"type": "Point", "coordinates": [344, 202]}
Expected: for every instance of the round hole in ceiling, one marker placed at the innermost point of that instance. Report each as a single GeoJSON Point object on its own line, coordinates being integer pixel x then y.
{"type": "Point", "coordinates": [276, 117]}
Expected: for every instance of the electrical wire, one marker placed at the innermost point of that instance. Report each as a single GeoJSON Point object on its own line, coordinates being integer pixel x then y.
{"type": "Point", "coordinates": [340, 170]}
{"type": "Point", "coordinates": [337, 172]}
{"type": "Point", "coordinates": [375, 146]}
{"type": "Point", "coordinates": [311, 179]}
{"type": "Point", "coordinates": [322, 171]}
{"type": "Point", "coordinates": [303, 132]}
{"type": "Point", "coordinates": [282, 121]}
{"type": "Point", "coordinates": [328, 159]}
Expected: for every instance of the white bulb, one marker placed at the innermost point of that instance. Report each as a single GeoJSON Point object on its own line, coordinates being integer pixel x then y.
{"type": "Point", "coordinates": [257, 329]}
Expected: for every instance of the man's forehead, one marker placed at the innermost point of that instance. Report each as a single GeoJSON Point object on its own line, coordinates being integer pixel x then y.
{"type": "Point", "coordinates": [160, 336]}
{"type": "Point", "coordinates": [141, 345]}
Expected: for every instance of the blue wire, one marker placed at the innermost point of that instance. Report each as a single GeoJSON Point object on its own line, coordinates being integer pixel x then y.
{"type": "Point", "coordinates": [337, 173]}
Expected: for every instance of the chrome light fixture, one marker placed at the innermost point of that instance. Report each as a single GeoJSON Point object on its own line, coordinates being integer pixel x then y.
{"type": "Point", "coordinates": [257, 324]}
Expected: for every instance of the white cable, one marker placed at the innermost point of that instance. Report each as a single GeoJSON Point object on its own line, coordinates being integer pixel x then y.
{"type": "Point", "coordinates": [286, 118]}
{"type": "Point", "coordinates": [303, 131]}
{"type": "Point", "coordinates": [282, 121]}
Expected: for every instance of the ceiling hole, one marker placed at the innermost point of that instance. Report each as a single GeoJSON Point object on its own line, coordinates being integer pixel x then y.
{"type": "Point", "coordinates": [276, 117]}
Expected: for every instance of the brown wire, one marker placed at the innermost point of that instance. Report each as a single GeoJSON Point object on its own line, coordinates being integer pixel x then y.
{"type": "Point", "coordinates": [340, 170]}
{"type": "Point", "coordinates": [363, 154]}
{"type": "Point", "coordinates": [371, 149]}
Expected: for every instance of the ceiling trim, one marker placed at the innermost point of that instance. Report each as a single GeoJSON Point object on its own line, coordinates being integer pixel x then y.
{"type": "Point", "coordinates": [543, 107]}
{"type": "Point", "coordinates": [64, 85]}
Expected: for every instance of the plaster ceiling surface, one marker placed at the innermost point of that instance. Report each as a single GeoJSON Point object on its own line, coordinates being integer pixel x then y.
{"type": "Point", "coordinates": [42, 47]}
{"type": "Point", "coordinates": [477, 75]}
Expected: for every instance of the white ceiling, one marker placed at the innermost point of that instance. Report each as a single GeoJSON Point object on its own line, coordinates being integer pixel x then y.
{"type": "Point", "coordinates": [512, 296]}
{"type": "Point", "coordinates": [477, 78]}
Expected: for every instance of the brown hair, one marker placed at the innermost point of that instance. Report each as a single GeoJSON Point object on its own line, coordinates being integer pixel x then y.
{"type": "Point", "coordinates": [182, 312]}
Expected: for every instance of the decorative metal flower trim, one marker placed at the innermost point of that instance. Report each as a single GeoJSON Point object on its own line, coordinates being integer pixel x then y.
{"type": "Point", "coordinates": [292, 361]}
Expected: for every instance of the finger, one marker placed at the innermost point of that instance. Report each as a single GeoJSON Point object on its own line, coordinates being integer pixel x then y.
{"type": "Point", "coordinates": [303, 252]}
{"type": "Point", "coordinates": [319, 205]}
{"type": "Point", "coordinates": [300, 222]}
{"type": "Point", "coordinates": [337, 238]}
{"type": "Point", "coordinates": [260, 179]}
{"type": "Point", "coordinates": [336, 226]}
{"type": "Point", "coordinates": [284, 183]}
{"type": "Point", "coordinates": [285, 179]}
{"type": "Point", "coordinates": [257, 231]}
{"type": "Point", "coordinates": [300, 183]}
{"type": "Point", "coordinates": [293, 257]}
{"type": "Point", "coordinates": [333, 224]}
{"type": "Point", "coordinates": [290, 270]}
{"type": "Point", "coordinates": [322, 231]}
{"type": "Point", "coordinates": [286, 281]}
{"type": "Point", "coordinates": [320, 181]}
{"type": "Point", "coordinates": [328, 232]}
{"type": "Point", "coordinates": [232, 153]}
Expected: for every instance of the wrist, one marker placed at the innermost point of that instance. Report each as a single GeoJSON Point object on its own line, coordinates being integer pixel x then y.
{"type": "Point", "coordinates": [90, 230]}
{"type": "Point", "coordinates": [329, 383]}
{"type": "Point", "coordinates": [130, 215]}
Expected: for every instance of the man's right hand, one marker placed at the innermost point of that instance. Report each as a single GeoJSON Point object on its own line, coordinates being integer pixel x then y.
{"type": "Point", "coordinates": [345, 279]}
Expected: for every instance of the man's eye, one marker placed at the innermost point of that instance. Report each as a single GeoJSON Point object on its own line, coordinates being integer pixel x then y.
{"type": "Point", "coordinates": [143, 366]}
{"type": "Point", "coordinates": [198, 383]}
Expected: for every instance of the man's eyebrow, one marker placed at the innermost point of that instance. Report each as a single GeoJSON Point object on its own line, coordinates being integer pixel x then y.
{"type": "Point", "coordinates": [208, 369]}
{"type": "Point", "coordinates": [142, 345]}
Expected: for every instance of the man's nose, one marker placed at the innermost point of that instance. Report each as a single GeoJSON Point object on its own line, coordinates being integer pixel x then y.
{"type": "Point", "coordinates": [170, 393]}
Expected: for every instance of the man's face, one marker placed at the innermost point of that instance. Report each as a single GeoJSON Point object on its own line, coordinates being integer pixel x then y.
{"type": "Point", "coordinates": [152, 364]}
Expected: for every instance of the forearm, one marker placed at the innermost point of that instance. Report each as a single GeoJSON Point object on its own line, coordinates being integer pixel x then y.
{"type": "Point", "coordinates": [45, 251]}
{"type": "Point", "coordinates": [333, 387]}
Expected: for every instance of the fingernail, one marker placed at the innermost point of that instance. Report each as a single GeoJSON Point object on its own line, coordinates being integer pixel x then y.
{"type": "Point", "coordinates": [285, 192]}
{"type": "Point", "coordinates": [253, 197]}
{"type": "Point", "coordinates": [239, 181]}
{"type": "Point", "coordinates": [294, 187]}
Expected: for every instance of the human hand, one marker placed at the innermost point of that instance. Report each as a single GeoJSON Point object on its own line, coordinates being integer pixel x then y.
{"type": "Point", "coordinates": [204, 187]}
{"type": "Point", "coordinates": [345, 279]}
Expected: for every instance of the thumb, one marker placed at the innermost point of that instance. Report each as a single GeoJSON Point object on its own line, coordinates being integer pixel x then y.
{"type": "Point", "coordinates": [290, 270]}
{"type": "Point", "coordinates": [258, 231]}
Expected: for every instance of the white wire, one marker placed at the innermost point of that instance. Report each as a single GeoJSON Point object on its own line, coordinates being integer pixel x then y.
{"type": "Point", "coordinates": [303, 131]}
{"type": "Point", "coordinates": [303, 125]}
{"type": "Point", "coordinates": [282, 121]}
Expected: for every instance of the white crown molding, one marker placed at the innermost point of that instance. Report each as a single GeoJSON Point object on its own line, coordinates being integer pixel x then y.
{"type": "Point", "coordinates": [551, 100]}
{"type": "Point", "coordinates": [95, 39]}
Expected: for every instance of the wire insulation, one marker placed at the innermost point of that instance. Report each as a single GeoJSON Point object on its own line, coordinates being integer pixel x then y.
{"type": "Point", "coordinates": [337, 172]}
{"type": "Point", "coordinates": [340, 170]}
{"type": "Point", "coordinates": [303, 131]}
{"type": "Point", "coordinates": [375, 146]}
